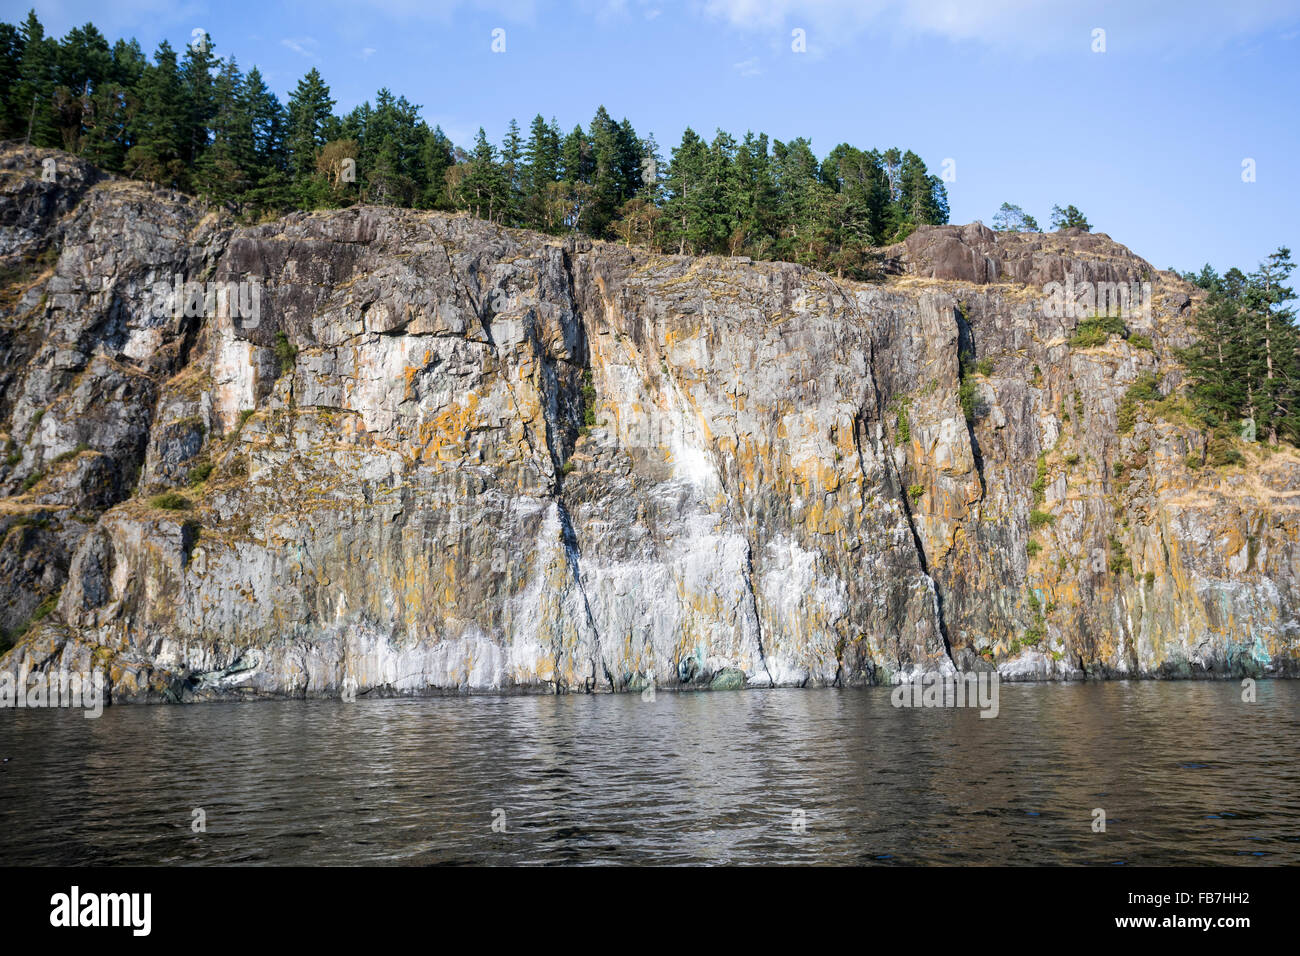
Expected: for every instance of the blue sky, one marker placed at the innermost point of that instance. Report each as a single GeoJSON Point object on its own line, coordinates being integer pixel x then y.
{"type": "Point", "coordinates": [1147, 138]}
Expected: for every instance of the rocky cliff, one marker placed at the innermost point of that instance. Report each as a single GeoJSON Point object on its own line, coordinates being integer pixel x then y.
{"type": "Point", "coordinates": [445, 456]}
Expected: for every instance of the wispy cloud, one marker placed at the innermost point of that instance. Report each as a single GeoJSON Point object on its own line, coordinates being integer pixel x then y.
{"type": "Point", "coordinates": [1030, 27]}
{"type": "Point", "coordinates": [303, 46]}
{"type": "Point", "coordinates": [747, 67]}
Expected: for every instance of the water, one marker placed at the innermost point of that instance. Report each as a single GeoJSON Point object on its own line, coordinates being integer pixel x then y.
{"type": "Point", "coordinates": [1186, 772]}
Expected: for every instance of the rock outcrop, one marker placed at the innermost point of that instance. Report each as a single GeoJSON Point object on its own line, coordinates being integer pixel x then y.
{"type": "Point", "coordinates": [444, 456]}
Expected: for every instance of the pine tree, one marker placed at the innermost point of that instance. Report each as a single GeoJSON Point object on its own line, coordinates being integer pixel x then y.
{"type": "Point", "coordinates": [1214, 360]}
{"type": "Point", "coordinates": [268, 122]}
{"type": "Point", "coordinates": [483, 191]}
{"type": "Point", "coordinates": [226, 170]}
{"type": "Point", "coordinates": [200, 99]}
{"type": "Point", "coordinates": [84, 61]}
{"type": "Point", "coordinates": [436, 158]}
{"type": "Point", "coordinates": [512, 169]}
{"type": "Point", "coordinates": [32, 97]}
{"type": "Point", "coordinates": [805, 202]}
{"type": "Point", "coordinates": [310, 110]}
{"type": "Point", "coordinates": [686, 208]}
{"type": "Point", "coordinates": [160, 126]}
{"type": "Point", "coordinates": [1011, 218]}
{"type": "Point", "coordinates": [12, 117]}
{"type": "Point", "coordinates": [1274, 336]}
{"type": "Point", "coordinates": [541, 171]}
{"type": "Point", "coordinates": [1069, 218]}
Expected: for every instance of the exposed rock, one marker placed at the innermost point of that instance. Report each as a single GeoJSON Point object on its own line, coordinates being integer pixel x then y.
{"type": "Point", "coordinates": [447, 456]}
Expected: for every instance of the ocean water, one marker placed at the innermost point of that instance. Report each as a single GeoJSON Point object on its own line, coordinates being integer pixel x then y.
{"type": "Point", "coordinates": [1185, 773]}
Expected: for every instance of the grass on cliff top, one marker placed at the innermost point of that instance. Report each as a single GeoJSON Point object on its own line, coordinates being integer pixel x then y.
{"type": "Point", "coordinates": [170, 501]}
{"type": "Point", "coordinates": [1096, 331]}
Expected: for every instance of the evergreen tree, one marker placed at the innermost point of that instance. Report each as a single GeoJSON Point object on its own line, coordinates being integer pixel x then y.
{"type": "Point", "coordinates": [268, 123]}
{"type": "Point", "coordinates": [200, 99]}
{"type": "Point", "coordinates": [12, 117]}
{"type": "Point", "coordinates": [512, 169]}
{"type": "Point", "coordinates": [32, 98]}
{"type": "Point", "coordinates": [1069, 218]}
{"type": "Point", "coordinates": [436, 158]}
{"type": "Point", "coordinates": [1273, 336]}
{"type": "Point", "coordinates": [541, 171]}
{"type": "Point", "coordinates": [483, 190]}
{"type": "Point", "coordinates": [160, 126]}
{"type": "Point", "coordinates": [1011, 218]}
{"type": "Point", "coordinates": [686, 208]}
{"type": "Point", "coordinates": [310, 110]}
{"type": "Point", "coordinates": [227, 169]}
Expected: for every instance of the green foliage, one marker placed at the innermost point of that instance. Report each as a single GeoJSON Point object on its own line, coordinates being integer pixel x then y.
{"type": "Point", "coordinates": [902, 430]}
{"type": "Point", "coordinates": [1038, 519]}
{"type": "Point", "coordinates": [915, 492]}
{"type": "Point", "coordinates": [199, 474]}
{"type": "Point", "coordinates": [1244, 363]}
{"type": "Point", "coordinates": [588, 399]}
{"type": "Point", "coordinates": [170, 501]}
{"type": "Point", "coordinates": [1119, 559]}
{"type": "Point", "coordinates": [245, 414]}
{"type": "Point", "coordinates": [968, 396]}
{"type": "Point", "coordinates": [1011, 218]}
{"type": "Point", "coordinates": [1222, 450]}
{"type": "Point", "coordinates": [1033, 548]}
{"type": "Point", "coordinates": [1096, 331]}
{"type": "Point", "coordinates": [1069, 218]}
{"type": "Point", "coordinates": [1039, 486]}
{"type": "Point", "coordinates": [1037, 629]}
{"type": "Point", "coordinates": [1141, 342]}
{"type": "Point", "coordinates": [1145, 389]}
{"type": "Point", "coordinates": [43, 610]}
{"type": "Point", "coordinates": [984, 367]}
{"type": "Point", "coordinates": [285, 353]}
{"type": "Point", "coordinates": [71, 454]}
{"type": "Point", "coordinates": [32, 480]}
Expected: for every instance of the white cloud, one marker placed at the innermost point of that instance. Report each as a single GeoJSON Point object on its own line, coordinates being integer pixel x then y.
{"type": "Point", "coordinates": [368, 52]}
{"type": "Point", "coordinates": [747, 67]}
{"type": "Point", "coordinates": [303, 46]}
{"type": "Point", "coordinates": [1030, 27]}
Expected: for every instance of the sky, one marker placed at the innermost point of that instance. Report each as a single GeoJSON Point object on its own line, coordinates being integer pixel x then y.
{"type": "Point", "coordinates": [1172, 124]}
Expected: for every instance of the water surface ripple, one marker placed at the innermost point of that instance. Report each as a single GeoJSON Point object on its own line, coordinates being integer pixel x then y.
{"type": "Point", "coordinates": [1186, 772]}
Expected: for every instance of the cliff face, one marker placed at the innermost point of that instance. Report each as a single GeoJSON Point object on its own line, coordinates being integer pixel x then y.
{"type": "Point", "coordinates": [448, 456]}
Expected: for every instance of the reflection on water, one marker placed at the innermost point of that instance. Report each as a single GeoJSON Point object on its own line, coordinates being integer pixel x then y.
{"type": "Point", "coordinates": [1186, 773]}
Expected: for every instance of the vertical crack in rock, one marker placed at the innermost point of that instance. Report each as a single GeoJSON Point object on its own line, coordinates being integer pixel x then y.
{"type": "Point", "coordinates": [573, 552]}
{"type": "Point", "coordinates": [966, 346]}
{"type": "Point", "coordinates": [753, 597]}
{"type": "Point", "coordinates": [895, 480]}
{"type": "Point", "coordinates": [572, 556]}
